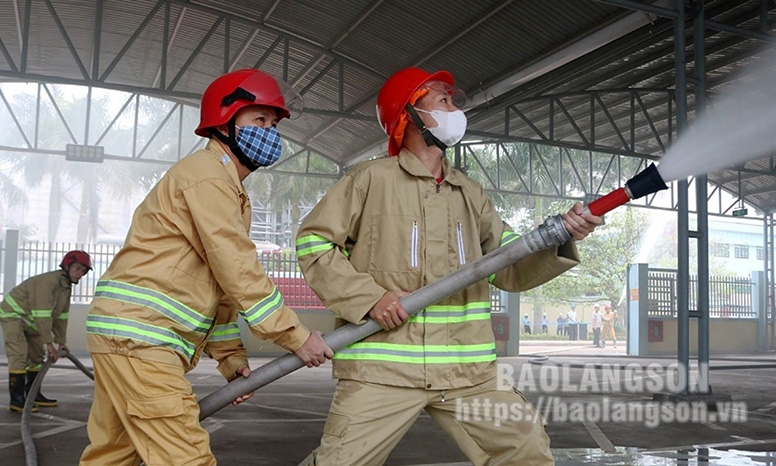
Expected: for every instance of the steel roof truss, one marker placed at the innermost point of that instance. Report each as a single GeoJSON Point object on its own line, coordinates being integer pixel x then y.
{"type": "Point", "coordinates": [131, 40]}
{"type": "Point", "coordinates": [65, 36]}
{"type": "Point", "coordinates": [196, 52]}
{"type": "Point", "coordinates": [15, 120]}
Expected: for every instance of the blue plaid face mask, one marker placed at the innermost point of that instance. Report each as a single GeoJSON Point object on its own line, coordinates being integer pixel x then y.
{"type": "Point", "coordinates": [262, 145]}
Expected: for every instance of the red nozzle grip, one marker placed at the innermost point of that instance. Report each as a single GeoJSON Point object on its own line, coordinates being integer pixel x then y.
{"type": "Point", "coordinates": [609, 202]}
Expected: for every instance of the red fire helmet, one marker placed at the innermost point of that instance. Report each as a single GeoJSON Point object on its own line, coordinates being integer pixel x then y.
{"type": "Point", "coordinates": [395, 95]}
{"type": "Point", "coordinates": [233, 91]}
{"type": "Point", "coordinates": [81, 257]}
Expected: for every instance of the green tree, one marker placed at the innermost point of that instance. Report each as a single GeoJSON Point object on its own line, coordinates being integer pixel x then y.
{"type": "Point", "coordinates": [80, 184]}
{"type": "Point", "coordinates": [605, 255]}
{"type": "Point", "coordinates": [292, 183]}
{"type": "Point", "coordinates": [11, 195]}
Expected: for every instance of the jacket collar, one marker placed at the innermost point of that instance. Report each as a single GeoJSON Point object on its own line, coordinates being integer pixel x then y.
{"type": "Point", "coordinates": [215, 148]}
{"type": "Point", "coordinates": [64, 279]}
{"type": "Point", "coordinates": [412, 165]}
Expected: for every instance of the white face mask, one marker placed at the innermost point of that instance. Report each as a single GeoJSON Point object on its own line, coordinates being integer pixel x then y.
{"type": "Point", "coordinates": [450, 127]}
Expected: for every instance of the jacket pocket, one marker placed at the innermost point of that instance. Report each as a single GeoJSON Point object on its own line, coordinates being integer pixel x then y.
{"type": "Point", "coordinates": [396, 243]}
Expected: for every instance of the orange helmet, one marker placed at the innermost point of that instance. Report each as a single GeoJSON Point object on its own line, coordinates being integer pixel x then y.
{"type": "Point", "coordinates": [394, 96]}
{"type": "Point", "coordinates": [76, 256]}
{"type": "Point", "coordinates": [233, 91]}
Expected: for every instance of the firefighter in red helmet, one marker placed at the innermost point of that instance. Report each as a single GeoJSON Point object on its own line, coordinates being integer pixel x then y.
{"type": "Point", "coordinates": [389, 227]}
{"type": "Point", "coordinates": [34, 318]}
{"type": "Point", "coordinates": [187, 269]}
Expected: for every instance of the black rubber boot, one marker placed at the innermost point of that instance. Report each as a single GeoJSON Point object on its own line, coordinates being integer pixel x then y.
{"type": "Point", "coordinates": [40, 400]}
{"type": "Point", "coordinates": [16, 389]}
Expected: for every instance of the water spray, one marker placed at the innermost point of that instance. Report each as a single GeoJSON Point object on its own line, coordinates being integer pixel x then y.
{"type": "Point", "coordinates": [550, 234]}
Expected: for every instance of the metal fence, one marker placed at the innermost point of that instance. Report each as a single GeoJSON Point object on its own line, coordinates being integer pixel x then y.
{"type": "Point", "coordinates": [729, 297]}
{"type": "Point", "coordinates": [36, 257]}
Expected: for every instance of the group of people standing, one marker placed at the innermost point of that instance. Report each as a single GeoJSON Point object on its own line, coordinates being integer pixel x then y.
{"type": "Point", "coordinates": [603, 325]}
{"type": "Point", "coordinates": [390, 226]}
{"type": "Point", "coordinates": [567, 325]}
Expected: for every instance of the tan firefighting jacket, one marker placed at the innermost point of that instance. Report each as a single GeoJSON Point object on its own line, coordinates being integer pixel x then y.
{"type": "Point", "coordinates": [186, 269]}
{"type": "Point", "coordinates": [387, 225]}
{"type": "Point", "coordinates": [42, 302]}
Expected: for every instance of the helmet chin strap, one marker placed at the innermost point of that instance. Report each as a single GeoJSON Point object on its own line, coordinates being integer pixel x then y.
{"type": "Point", "coordinates": [430, 139]}
{"type": "Point", "coordinates": [66, 273]}
{"type": "Point", "coordinates": [231, 143]}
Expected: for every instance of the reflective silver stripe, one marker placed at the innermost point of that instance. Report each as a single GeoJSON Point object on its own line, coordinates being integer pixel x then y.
{"type": "Point", "coordinates": [116, 327]}
{"type": "Point", "coordinates": [461, 252]}
{"type": "Point", "coordinates": [264, 308]}
{"type": "Point", "coordinates": [225, 332]}
{"type": "Point", "coordinates": [414, 246]}
{"type": "Point", "coordinates": [168, 307]}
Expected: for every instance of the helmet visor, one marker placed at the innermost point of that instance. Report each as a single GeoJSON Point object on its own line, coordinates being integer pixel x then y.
{"type": "Point", "coordinates": [457, 96]}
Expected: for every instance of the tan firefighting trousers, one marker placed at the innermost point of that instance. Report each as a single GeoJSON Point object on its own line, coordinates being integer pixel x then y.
{"type": "Point", "coordinates": [143, 410]}
{"type": "Point", "coordinates": [608, 333]}
{"type": "Point", "coordinates": [23, 346]}
{"type": "Point", "coordinates": [491, 427]}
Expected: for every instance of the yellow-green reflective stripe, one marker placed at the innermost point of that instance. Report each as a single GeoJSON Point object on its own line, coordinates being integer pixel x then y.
{"type": "Point", "coordinates": [264, 308]}
{"type": "Point", "coordinates": [450, 314]}
{"type": "Point", "coordinates": [508, 236]}
{"type": "Point", "coordinates": [64, 316]}
{"type": "Point", "coordinates": [416, 319]}
{"type": "Point", "coordinates": [311, 244]}
{"type": "Point", "coordinates": [11, 302]}
{"type": "Point", "coordinates": [116, 327]}
{"type": "Point", "coordinates": [20, 312]}
{"type": "Point", "coordinates": [163, 304]}
{"type": "Point", "coordinates": [418, 354]}
{"type": "Point", "coordinates": [225, 332]}
{"type": "Point", "coordinates": [413, 360]}
{"type": "Point", "coordinates": [41, 313]}
{"type": "Point", "coordinates": [9, 315]}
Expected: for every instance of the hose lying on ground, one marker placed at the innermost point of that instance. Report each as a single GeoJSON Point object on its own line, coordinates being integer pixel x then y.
{"type": "Point", "coordinates": [30, 454]}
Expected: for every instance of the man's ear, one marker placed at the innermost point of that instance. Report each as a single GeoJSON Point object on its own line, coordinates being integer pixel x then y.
{"type": "Point", "coordinates": [222, 129]}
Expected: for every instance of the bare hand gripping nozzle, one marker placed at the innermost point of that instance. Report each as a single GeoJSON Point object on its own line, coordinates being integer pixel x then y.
{"type": "Point", "coordinates": [550, 234]}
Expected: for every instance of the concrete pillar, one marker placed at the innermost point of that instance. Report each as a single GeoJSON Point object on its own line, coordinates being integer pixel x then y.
{"type": "Point", "coordinates": [511, 302]}
{"type": "Point", "coordinates": [759, 306]}
{"type": "Point", "coordinates": [638, 305]}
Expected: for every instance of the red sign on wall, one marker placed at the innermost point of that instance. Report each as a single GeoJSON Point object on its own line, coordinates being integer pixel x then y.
{"type": "Point", "coordinates": [655, 330]}
{"type": "Point", "coordinates": [500, 323]}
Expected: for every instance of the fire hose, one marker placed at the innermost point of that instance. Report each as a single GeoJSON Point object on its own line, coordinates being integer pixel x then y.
{"type": "Point", "coordinates": [548, 235]}
{"type": "Point", "coordinates": [30, 454]}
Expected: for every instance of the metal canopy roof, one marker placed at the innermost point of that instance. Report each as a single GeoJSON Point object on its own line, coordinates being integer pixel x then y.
{"type": "Point", "coordinates": [584, 74]}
